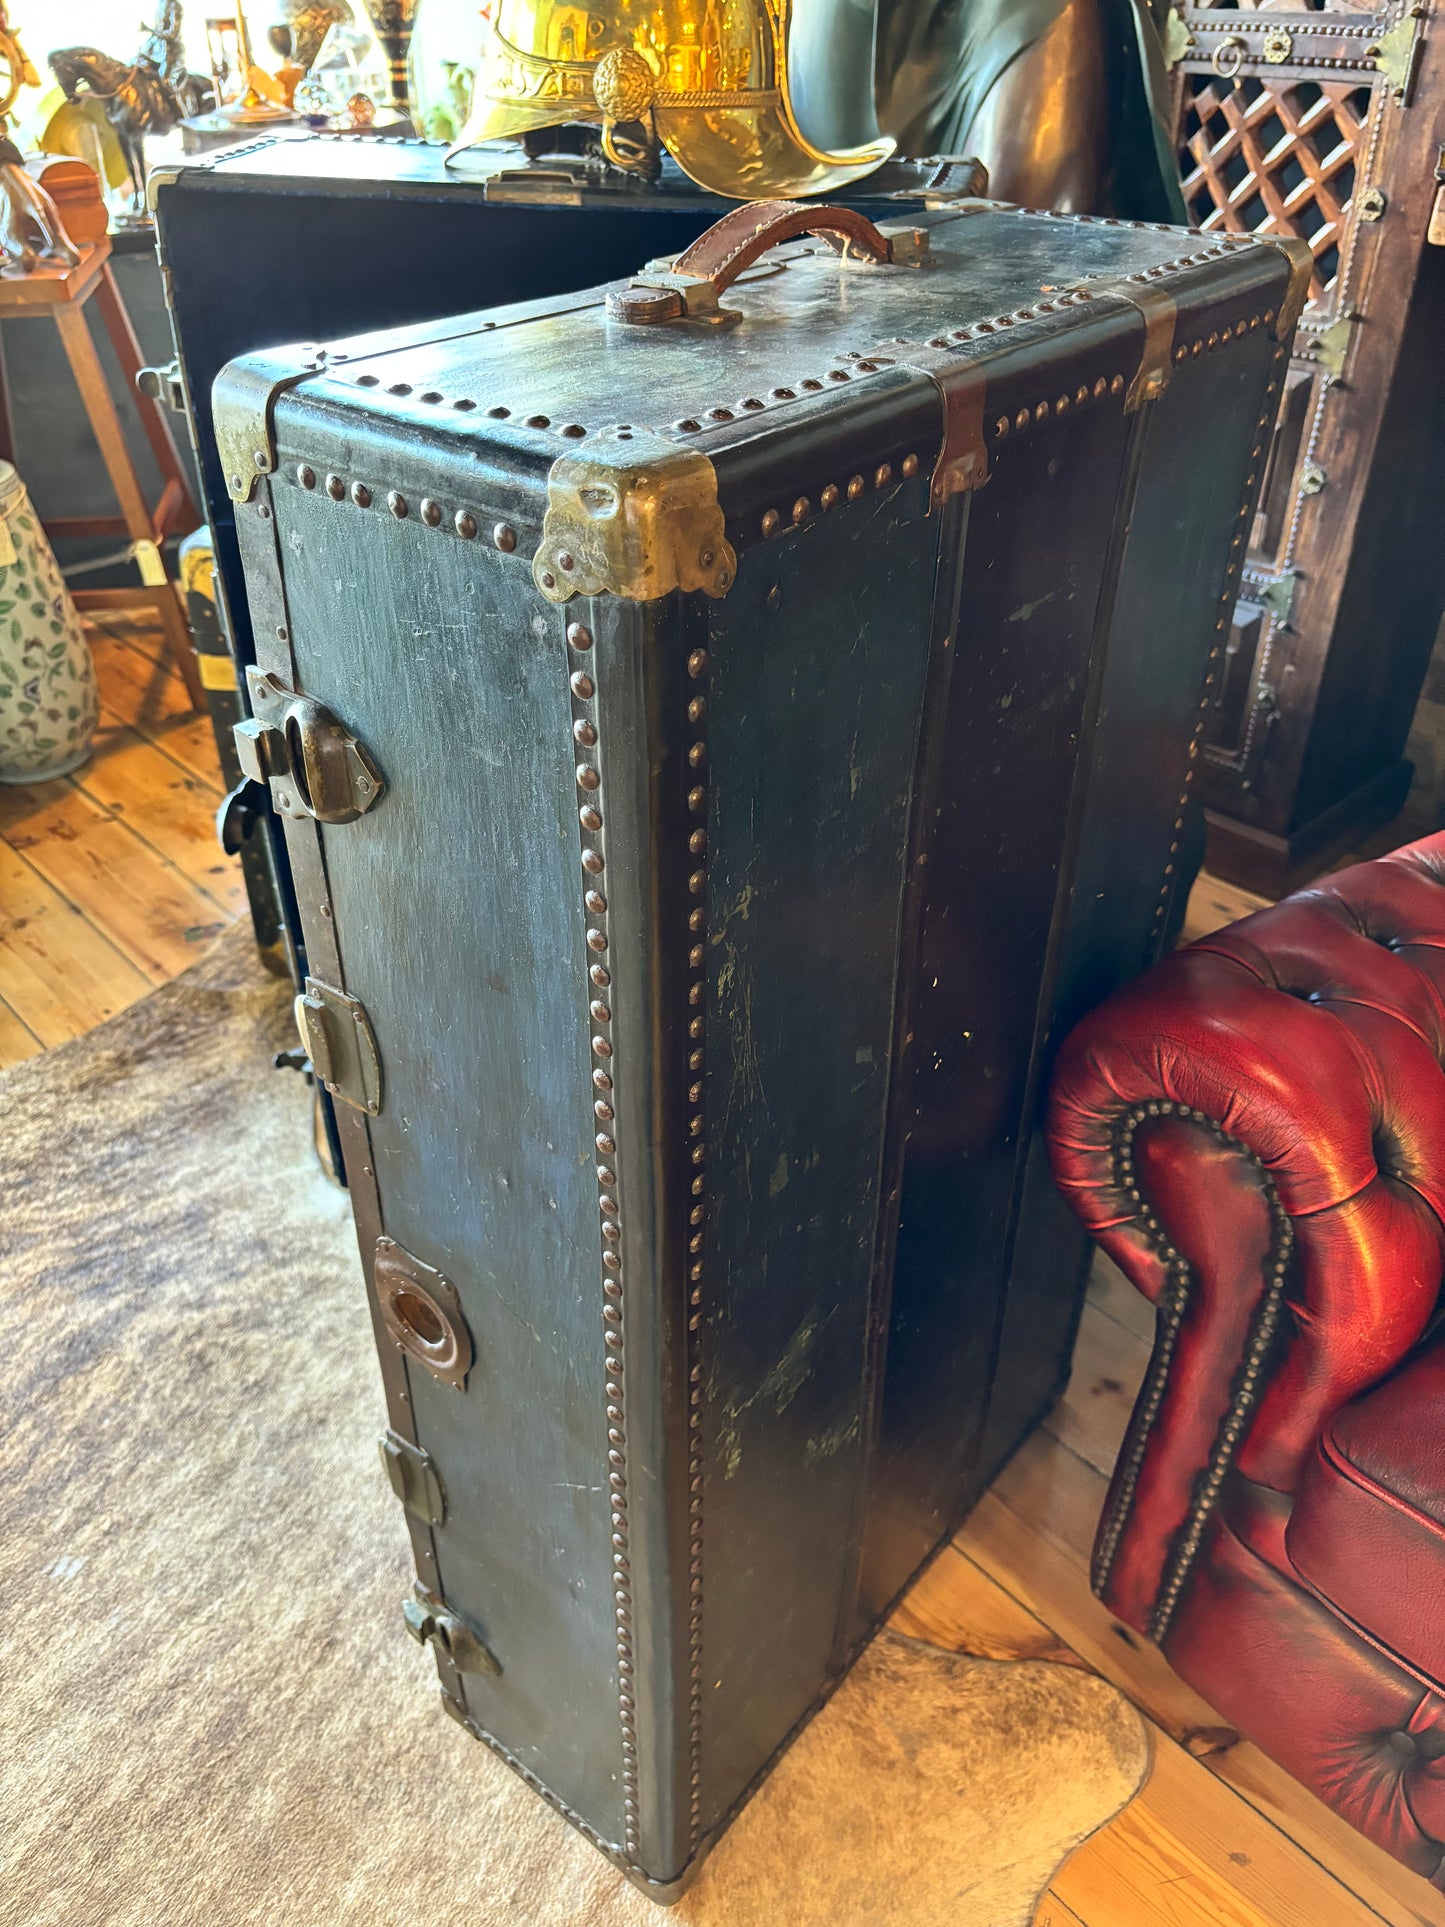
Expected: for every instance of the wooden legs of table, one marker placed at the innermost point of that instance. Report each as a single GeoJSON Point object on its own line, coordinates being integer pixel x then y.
{"type": "Point", "coordinates": [141, 526]}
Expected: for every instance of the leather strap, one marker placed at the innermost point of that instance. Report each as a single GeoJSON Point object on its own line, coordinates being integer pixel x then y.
{"type": "Point", "coordinates": [739, 238]}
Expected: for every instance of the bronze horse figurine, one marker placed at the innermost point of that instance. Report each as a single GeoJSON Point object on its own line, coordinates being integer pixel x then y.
{"type": "Point", "coordinates": [151, 95]}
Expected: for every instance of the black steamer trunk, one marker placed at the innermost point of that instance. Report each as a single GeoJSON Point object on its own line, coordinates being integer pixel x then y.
{"type": "Point", "coordinates": [716, 760]}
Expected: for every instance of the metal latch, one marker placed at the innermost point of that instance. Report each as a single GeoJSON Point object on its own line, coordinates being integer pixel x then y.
{"type": "Point", "coordinates": [336, 1035]}
{"type": "Point", "coordinates": [427, 1619]}
{"type": "Point", "coordinates": [314, 764]}
{"type": "Point", "coordinates": [413, 1477]}
{"type": "Point", "coordinates": [163, 385]}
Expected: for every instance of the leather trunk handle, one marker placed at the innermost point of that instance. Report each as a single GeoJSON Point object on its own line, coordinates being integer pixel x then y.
{"type": "Point", "coordinates": [691, 286]}
{"type": "Point", "coordinates": [741, 236]}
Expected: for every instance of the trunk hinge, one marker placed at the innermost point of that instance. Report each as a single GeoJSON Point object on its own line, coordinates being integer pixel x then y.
{"type": "Point", "coordinates": [336, 1035]}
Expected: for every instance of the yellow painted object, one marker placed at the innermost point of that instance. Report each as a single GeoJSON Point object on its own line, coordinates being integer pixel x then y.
{"type": "Point", "coordinates": [80, 130]}
{"type": "Point", "coordinates": [705, 79]}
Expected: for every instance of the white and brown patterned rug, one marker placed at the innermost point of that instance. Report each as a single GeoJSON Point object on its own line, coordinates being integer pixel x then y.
{"type": "Point", "coordinates": [209, 1711]}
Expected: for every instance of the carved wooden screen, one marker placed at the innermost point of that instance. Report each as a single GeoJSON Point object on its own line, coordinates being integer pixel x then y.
{"type": "Point", "coordinates": [1281, 158]}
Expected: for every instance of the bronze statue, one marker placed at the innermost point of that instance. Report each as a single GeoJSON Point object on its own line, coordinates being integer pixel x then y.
{"type": "Point", "coordinates": [1065, 101]}
{"type": "Point", "coordinates": [150, 96]}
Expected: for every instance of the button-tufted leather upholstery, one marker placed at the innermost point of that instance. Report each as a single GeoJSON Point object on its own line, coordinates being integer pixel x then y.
{"type": "Point", "coordinates": [1255, 1131]}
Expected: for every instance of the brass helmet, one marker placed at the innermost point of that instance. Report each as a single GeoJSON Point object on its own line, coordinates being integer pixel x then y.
{"type": "Point", "coordinates": [706, 79]}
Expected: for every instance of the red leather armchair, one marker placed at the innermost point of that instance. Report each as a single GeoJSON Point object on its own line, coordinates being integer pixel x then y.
{"type": "Point", "coordinates": [1255, 1131]}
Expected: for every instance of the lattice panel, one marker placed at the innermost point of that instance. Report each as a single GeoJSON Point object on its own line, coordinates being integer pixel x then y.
{"type": "Point", "coordinates": [1274, 158]}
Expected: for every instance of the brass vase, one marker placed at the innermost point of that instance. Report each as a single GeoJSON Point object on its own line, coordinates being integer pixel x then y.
{"type": "Point", "coordinates": [392, 22]}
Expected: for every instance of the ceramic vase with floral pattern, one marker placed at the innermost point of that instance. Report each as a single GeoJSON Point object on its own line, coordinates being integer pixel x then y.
{"type": "Point", "coordinates": [48, 706]}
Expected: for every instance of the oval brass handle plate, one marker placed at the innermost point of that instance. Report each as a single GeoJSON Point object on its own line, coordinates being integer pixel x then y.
{"type": "Point", "coordinates": [423, 1314]}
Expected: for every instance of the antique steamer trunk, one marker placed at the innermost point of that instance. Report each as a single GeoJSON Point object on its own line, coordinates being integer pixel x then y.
{"type": "Point", "coordinates": [722, 734]}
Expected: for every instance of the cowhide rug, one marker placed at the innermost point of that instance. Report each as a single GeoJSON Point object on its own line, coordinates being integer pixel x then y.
{"type": "Point", "coordinates": [210, 1713]}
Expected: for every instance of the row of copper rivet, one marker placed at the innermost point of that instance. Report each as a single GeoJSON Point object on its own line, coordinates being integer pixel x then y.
{"type": "Point", "coordinates": [599, 975]}
{"type": "Point", "coordinates": [697, 664]}
{"type": "Point", "coordinates": [1126, 1177]}
{"type": "Point", "coordinates": [504, 536]}
{"type": "Point", "coordinates": [1227, 599]}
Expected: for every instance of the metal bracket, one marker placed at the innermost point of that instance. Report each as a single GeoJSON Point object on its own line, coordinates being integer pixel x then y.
{"type": "Point", "coordinates": [1397, 54]}
{"type": "Point", "coordinates": [336, 1035]}
{"type": "Point", "coordinates": [962, 385]}
{"type": "Point", "coordinates": [1277, 596]}
{"type": "Point", "coordinates": [316, 765]}
{"type": "Point", "coordinates": [413, 1477]}
{"type": "Point", "coordinates": [422, 1312]}
{"type": "Point", "coordinates": [428, 1619]}
{"type": "Point", "coordinates": [1332, 346]}
{"type": "Point", "coordinates": [1301, 268]}
{"type": "Point", "coordinates": [244, 407]}
{"type": "Point", "coordinates": [636, 516]}
{"type": "Point", "coordinates": [163, 385]}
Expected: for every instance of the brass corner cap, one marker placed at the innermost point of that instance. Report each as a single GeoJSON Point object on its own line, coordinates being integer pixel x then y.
{"type": "Point", "coordinates": [636, 516]}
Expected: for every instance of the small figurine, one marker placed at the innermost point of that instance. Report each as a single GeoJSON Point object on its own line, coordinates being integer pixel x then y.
{"type": "Point", "coordinates": [150, 96]}
{"type": "Point", "coordinates": [30, 228]}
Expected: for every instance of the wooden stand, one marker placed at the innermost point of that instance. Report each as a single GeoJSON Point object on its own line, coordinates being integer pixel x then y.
{"type": "Point", "coordinates": [62, 293]}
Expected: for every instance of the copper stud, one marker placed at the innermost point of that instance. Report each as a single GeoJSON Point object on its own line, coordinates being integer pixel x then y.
{"type": "Point", "coordinates": [431, 512]}
{"type": "Point", "coordinates": [696, 798]}
{"type": "Point", "coordinates": [587, 777]}
{"type": "Point", "coordinates": [361, 495]}
{"type": "Point", "coordinates": [1022, 418]}
{"type": "Point", "coordinates": [697, 920]}
{"type": "Point", "coordinates": [1081, 393]}
{"type": "Point", "coordinates": [697, 662]}
{"type": "Point", "coordinates": [335, 487]}
{"type": "Point", "coordinates": [1001, 427]}
{"type": "Point", "coordinates": [505, 537]}
{"type": "Point", "coordinates": [600, 975]}
{"type": "Point", "coordinates": [600, 1012]}
{"type": "Point", "coordinates": [605, 1145]}
{"type": "Point", "coordinates": [910, 465]}
{"type": "Point", "coordinates": [582, 685]}
{"type": "Point", "coordinates": [465, 525]}
{"type": "Point", "coordinates": [770, 522]}
{"type": "Point", "coordinates": [1116, 386]}
{"type": "Point", "coordinates": [829, 497]}
{"type": "Point", "coordinates": [695, 1028]}
{"type": "Point", "coordinates": [697, 709]}
{"type": "Point", "coordinates": [1061, 406]}
{"type": "Point", "coordinates": [694, 1061]}
{"type": "Point", "coordinates": [695, 957]}
{"type": "Point", "coordinates": [697, 755]}
{"type": "Point", "coordinates": [596, 903]}
{"type": "Point", "coordinates": [596, 940]}
{"type": "Point", "coordinates": [396, 502]}
{"type": "Point", "coordinates": [592, 861]}
{"type": "Point", "coordinates": [590, 817]}
{"type": "Point", "coordinates": [697, 842]}
{"type": "Point", "coordinates": [883, 475]}
{"type": "Point", "coordinates": [306, 475]}
{"type": "Point", "coordinates": [697, 882]}
{"type": "Point", "coordinates": [579, 635]}
{"type": "Point", "coordinates": [585, 732]}
{"type": "Point", "coordinates": [801, 509]}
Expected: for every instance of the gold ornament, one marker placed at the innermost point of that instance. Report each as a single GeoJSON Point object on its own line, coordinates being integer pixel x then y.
{"type": "Point", "coordinates": [711, 77]}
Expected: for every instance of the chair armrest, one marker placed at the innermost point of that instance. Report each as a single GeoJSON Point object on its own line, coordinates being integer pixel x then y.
{"type": "Point", "coordinates": [1255, 1132]}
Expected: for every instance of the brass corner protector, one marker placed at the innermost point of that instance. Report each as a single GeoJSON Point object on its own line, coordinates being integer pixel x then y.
{"type": "Point", "coordinates": [1301, 267]}
{"type": "Point", "coordinates": [163, 175]}
{"type": "Point", "coordinates": [244, 405]}
{"type": "Point", "coordinates": [637, 516]}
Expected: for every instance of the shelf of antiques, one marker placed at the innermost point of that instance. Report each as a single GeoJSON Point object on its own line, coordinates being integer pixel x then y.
{"type": "Point", "coordinates": [1326, 125]}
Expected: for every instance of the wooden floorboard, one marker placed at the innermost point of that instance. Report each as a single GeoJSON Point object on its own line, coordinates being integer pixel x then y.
{"type": "Point", "coordinates": [110, 882]}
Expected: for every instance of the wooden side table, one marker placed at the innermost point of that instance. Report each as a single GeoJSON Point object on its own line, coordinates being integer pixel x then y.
{"type": "Point", "coordinates": [61, 293]}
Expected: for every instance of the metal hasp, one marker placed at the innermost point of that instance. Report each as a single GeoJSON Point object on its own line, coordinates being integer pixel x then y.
{"type": "Point", "coordinates": [422, 1312]}
{"type": "Point", "coordinates": [336, 1035]}
{"type": "Point", "coordinates": [313, 762]}
{"type": "Point", "coordinates": [163, 385]}
{"type": "Point", "coordinates": [413, 1477]}
{"type": "Point", "coordinates": [428, 1620]}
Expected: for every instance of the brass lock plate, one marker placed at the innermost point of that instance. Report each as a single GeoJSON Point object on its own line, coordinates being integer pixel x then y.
{"type": "Point", "coordinates": [336, 1035]}
{"type": "Point", "coordinates": [423, 1314]}
{"type": "Point", "coordinates": [315, 766]}
{"type": "Point", "coordinates": [427, 1619]}
{"type": "Point", "coordinates": [413, 1477]}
